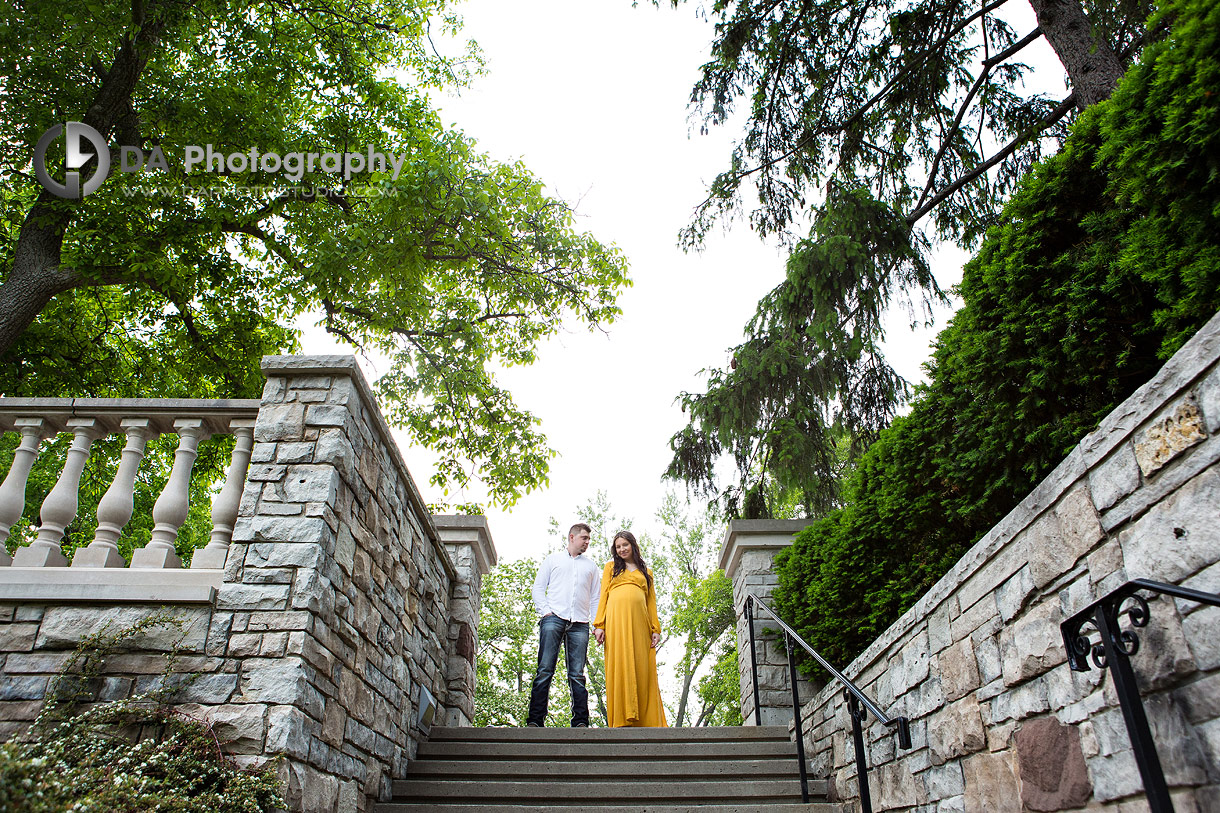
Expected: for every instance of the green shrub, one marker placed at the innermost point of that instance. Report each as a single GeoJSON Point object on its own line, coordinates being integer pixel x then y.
{"type": "Point", "coordinates": [126, 756]}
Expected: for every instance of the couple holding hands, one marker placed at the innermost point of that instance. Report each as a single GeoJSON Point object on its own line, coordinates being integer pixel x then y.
{"type": "Point", "coordinates": [619, 600]}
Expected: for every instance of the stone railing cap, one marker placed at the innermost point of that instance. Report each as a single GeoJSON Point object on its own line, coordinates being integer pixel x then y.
{"type": "Point", "coordinates": [471, 529]}
{"type": "Point", "coordinates": [56, 412]}
{"type": "Point", "coordinates": [745, 534]}
{"type": "Point", "coordinates": [318, 365]}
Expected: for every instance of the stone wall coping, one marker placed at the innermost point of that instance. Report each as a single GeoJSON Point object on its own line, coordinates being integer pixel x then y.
{"type": "Point", "coordinates": [1181, 371]}
{"type": "Point", "coordinates": [1186, 367]}
{"type": "Point", "coordinates": [217, 413]}
{"type": "Point", "coordinates": [470, 529]}
{"type": "Point", "coordinates": [109, 584]}
{"type": "Point", "coordinates": [756, 534]}
{"type": "Point", "coordinates": [92, 406]}
{"type": "Point", "coordinates": [346, 365]}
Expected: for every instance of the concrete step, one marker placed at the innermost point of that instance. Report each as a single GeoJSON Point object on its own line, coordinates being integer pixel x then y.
{"type": "Point", "coordinates": [620, 770]}
{"type": "Point", "coordinates": [534, 735]}
{"type": "Point", "coordinates": [548, 790]}
{"type": "Point", "coordinates": [588, 770]}
{"type": "Point", "coordinates": [575, 751]}
{"type": "Point", "coordinates": [584, 807]}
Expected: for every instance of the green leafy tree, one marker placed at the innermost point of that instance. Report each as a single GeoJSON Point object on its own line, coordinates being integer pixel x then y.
{"type": "Point", "coordinates": [1107, 260]}
{"type": "Point", "coordinates": [508, 645]}
{"type": "Point", "coordinates": [508, 632]}
{"type": "Point", "coordinates": [720, 689]}
{"type": "Point", "coordinates": [170, 281]}
{"type": "Point", "coordinates": [863, 120]}
{"type": "Point", "coordinates": [694, 603]}
{"type": "Point", "coordinates": [701, 613]}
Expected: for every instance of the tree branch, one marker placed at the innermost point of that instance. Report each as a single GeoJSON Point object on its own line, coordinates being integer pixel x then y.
{"type": "Point", "coordinates": [823, 129]}
{"type": "Point", "coordinates": [947, 138]}
{"type": "Point", "coordinates": [1059, 112]}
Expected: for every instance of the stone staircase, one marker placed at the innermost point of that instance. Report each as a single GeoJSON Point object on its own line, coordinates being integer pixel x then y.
{"type": "Point", "coordinates": [744, 769]}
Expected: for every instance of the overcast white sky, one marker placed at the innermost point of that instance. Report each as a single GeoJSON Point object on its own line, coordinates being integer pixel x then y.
{"type": "Point", "coordinates": [592, 95]}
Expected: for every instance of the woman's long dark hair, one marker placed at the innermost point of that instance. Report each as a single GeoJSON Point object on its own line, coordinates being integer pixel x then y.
{"type": "Point", "coordinates": [620, 564]}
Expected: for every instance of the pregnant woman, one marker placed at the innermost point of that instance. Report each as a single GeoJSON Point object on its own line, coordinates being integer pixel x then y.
{"type": "Point", "coordinates": [628, 626]}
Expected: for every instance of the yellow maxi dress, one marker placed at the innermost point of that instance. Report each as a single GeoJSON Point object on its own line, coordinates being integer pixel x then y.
{"type": "Point", "coordinates": [627, 611]}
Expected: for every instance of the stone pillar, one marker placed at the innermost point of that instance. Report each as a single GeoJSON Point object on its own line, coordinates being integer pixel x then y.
{"type": "Point", "coordinates": [337, 585]}
{"type": "Point", "coordinates": [749, 549]}
{"type": "Point", "coordinates": [468, 540]}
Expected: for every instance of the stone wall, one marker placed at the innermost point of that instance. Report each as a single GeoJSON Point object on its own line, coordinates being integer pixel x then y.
{"type": "Point", "coordinates": [328, 623]}
{"type": "Point", "coordinates": [999, 722]}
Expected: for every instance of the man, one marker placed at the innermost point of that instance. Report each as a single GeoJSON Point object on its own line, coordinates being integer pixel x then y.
{"type": "Point", "coordinates": [566, 591]}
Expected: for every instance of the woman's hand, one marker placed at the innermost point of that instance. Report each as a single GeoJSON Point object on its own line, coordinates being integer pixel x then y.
{"type": "Point", "coordinates": [656, 639]}
{"type": "Point", "coordinates": [600, 635]}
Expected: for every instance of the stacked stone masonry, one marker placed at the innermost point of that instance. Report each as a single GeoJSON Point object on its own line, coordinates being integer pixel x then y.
{"type": "Point", "coordinates": [999, 722]}
{"type": "Point", "coordinates": [746, 557]}
{"type": "Point", "coordinates": [341, 602]}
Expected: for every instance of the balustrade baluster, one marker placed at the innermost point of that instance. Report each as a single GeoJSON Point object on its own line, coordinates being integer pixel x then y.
{"type": "Point", "coordinates": [117, 504]}
{"type": "Point", "coordinates": [59, 508]}
{"type": "Point", "coordinates": [224, 507]}
{"type": "Point", "coordinates": [12, 492]}
{"type": "Point", "coordinates": [171, 507]}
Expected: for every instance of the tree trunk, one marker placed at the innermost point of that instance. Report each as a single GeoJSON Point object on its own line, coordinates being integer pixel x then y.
{"type": "Point", "coordinates": [1092, 66]}
{"type": "Point", "coordinates": [36, 276]}
{"type": "Point", "coordinates": [683, 699]}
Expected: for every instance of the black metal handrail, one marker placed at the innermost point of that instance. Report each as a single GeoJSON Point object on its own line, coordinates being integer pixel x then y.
{"type": "Point", "coordinates": [1114, 652]}
{"type": "Point", "coordinates": [854, 696]}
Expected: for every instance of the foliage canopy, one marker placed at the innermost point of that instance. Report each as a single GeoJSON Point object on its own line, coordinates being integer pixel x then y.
{"type": "Point", "coordinates": [175, 283]}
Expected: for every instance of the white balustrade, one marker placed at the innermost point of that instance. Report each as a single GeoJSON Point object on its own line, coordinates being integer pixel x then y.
{"type": "Point", "coordinates": [59, 508]}
{"type": "Point", "coordinates": [171, 508]}
{"type": "Point", "coordinates": [225, 505]}
{"type": "Point", "coordinates": [118, 503]}
{"type": "Point", "coordinates": [141, 420]}
{"type": "Point", "coordinates": [12, 492]}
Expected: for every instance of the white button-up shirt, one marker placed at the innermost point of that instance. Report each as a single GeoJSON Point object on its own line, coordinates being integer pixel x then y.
{"type": "Point", "coordinates": [567, 586]}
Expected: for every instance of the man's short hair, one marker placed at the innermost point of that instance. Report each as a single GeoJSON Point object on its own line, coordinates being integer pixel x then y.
{"type": "Point", "coordinates": [580, 526]}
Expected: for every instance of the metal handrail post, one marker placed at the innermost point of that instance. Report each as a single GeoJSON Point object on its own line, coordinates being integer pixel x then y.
{"type": "Point", "coordinates": [857, 703]}
{"type": "Point", "coordinates": [857, 732]}
{"type": "Point", "coordinates": [1155, 787]}
{"type": "Point", "coordinates": [753, 659]}
{"type": "Point", "coordinates": [790, 645]}
{"type": "Point", "coordinates": [900, 723]}
{"type": "Point", "coordinates": [1113, 653]}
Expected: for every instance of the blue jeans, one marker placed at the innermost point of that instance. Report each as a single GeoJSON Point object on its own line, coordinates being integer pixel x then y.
{"type": "Point", "coordinates": [575, 637]}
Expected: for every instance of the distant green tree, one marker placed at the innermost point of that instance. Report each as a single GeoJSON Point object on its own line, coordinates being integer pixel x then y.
{"type": "Point", "coordinates": [694, 599]}
{"type": "Point", "coordinates": [508, 655]}
{"type": "Point", "coordinates": [720, 689]}
{"type": "Point", "coordinates": [1107, 260]}
{"type": "Point", "coordinates": [508, 645]}
{"type": "Point", "coordinates": [701, 614]}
